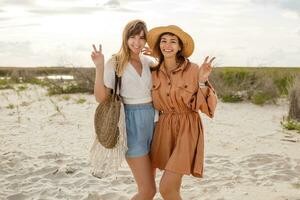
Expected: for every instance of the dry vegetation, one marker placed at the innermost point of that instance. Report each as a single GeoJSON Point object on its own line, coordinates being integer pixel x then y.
{"type": "Point", "coordinates": [83, 80]}
{"type": "Point", "coordinates": [292, 122]}
{"type": "Point", "coordinates": [233, 84]}
{"type": "Point", "coordinates": [258, 85]}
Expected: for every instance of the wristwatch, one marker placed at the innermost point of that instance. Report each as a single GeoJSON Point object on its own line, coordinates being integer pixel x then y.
{"type": "Point", "coordinates": [203, 84]}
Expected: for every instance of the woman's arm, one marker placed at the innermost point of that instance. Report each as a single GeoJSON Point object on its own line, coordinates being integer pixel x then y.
{"type": "Point", "coordinates": [100, 91]}
{"type": "Point", "coordinates": [206, 96]}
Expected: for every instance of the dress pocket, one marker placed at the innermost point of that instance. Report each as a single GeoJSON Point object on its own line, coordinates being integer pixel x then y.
{"type": "Point", "coordinates": [155, 85]}
{"type": "Point", "coordinates": [187, 87]}
{"type": "Point", "coordinates": [156, 96]}
{"type": "Point", "coordinates": [187, 93]}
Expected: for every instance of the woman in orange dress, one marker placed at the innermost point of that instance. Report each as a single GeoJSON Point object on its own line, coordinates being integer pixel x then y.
{"type": "Point", "coordinates": [180, 89]}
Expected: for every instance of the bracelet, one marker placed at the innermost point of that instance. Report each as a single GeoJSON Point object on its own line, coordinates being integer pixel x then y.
{"type": "Point", "coordinates": [203, 85]}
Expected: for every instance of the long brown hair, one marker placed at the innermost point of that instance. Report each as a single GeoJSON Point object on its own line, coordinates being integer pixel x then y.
{"type": "Point", "coordinates": [159, 55]}
{"type": "Point", "coordinates": [121, 58]}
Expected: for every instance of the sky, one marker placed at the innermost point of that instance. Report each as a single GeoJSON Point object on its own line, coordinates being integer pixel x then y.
{"type": "Point", "coordinates": [237, 32]}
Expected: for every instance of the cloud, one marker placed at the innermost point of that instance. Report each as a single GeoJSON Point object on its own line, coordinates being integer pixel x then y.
{"type": "Point", "coordinates": [291, 5]}
{"type": "Point", "coordinates": [117, 5]}
{"type": "Point", "coordinates": [5, 18]}
{"type": "Point", "coordinates": [125, 1]}
{"type": "Point", "coordinates": [15, 48]}
{"type": "Point", "coordinates": [239, 48]}
{"type": "Point", "coordinates": [18, 2]}
{"type": "Point", "coordinates": [288, 5]}
{"type": "Point", "coordinates": [112, 3]}
{"type": "Point", "coordinates": [65, 10]}
{"type": "Point", "coordinates": [63, 7]}
{"type": "Point", "coordinates": [18, 26]}
{"type": "Point", "coordinates": [75, 10]}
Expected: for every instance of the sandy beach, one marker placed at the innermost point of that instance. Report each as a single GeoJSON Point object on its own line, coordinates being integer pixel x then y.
{"type": "Point", "coordinates": [45, 143]}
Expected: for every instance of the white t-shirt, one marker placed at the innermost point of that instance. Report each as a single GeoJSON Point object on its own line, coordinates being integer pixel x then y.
{"type": "Point", "coordinates": [135, 89]}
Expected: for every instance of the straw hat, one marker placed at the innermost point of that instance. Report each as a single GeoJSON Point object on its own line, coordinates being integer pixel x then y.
{"type": "Point", "coordinates": [187, 40]}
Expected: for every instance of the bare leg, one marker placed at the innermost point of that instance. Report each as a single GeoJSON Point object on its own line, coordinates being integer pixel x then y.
{"type": "Point", "coordinates": [143, 175]}
{"type": "Point", "coordinates": [154, 172]}
{"type": "Point", "coordinates": [169, 186]}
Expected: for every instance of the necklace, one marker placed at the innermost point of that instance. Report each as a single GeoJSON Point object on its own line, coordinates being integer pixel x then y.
{"type": "Point", "coordinates": [169, 69]}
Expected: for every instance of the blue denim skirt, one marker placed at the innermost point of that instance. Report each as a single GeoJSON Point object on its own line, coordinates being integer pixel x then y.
{"type": "Point", "coordinates": [139, 127]}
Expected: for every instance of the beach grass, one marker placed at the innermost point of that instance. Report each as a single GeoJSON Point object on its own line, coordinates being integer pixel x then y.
{"type": "Point", "coordinates": [21, 88]}
{"type": "Point", "coordinates": [66, 97]}
{"type": "Point", "coordinates": [296, 185]}
{"type": "Point", "coordinates": [80, 100]}
{"type": "Point", "coordinates": [10, 106]}
{"type": "Point", "coordinates": [291, 124]}
{"type": "Point", "coordinates": [259, 85]}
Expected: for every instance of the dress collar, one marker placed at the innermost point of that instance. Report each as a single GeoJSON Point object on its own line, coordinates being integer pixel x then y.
{"type": "Point", "coordinates": [181, 67]}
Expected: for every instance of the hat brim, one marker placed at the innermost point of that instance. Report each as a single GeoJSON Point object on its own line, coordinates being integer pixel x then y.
{"type": "Point", "coordinates": [187, 40]}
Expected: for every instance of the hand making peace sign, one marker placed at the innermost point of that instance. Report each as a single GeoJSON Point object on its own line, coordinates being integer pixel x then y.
{"type": "Point", "coordinates": [205, 69]}
{"type": "Point", "coordinates": [97, 56]}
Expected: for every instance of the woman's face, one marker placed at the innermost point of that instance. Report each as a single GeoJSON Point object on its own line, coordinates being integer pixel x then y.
{"type": "Point", "coordinates": [169, 45]}
{"type": "Point", "coordinates": [136, 42]}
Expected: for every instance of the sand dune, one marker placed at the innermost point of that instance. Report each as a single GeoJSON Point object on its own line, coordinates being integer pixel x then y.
{"type": "Point", "coordinates": [45, 142]}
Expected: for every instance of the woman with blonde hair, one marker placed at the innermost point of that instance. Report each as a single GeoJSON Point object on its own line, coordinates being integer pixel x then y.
{"type": "Point", "coordinates": [135, 90]}
{"type": "Point", "coordinates": [180, 89]}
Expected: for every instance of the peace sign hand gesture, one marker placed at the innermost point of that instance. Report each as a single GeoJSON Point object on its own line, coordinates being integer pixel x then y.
{"type": "Point", "coordinates": [98, 57]}
{"type": "Point", "coordinates": [205, 69]}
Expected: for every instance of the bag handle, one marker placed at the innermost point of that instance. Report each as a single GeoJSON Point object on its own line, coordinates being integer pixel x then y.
{"type": "Point", "coordinates": [118, 81]}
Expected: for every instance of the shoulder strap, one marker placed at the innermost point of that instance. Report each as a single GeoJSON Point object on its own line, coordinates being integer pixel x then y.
{"type": "Point", "coordinates": [118, 81]}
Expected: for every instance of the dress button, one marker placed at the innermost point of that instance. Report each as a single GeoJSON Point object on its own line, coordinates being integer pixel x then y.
{"type": "Point", "coordinates": [169, 83]}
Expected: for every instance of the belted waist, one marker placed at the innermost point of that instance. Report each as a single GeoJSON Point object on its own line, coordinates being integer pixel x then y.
{"type": "Point", "coordinates": [176, 112]}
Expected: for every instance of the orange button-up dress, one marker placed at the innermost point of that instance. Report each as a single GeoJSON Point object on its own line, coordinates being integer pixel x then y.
{"type": "Point", "coordinates": [178, 140]}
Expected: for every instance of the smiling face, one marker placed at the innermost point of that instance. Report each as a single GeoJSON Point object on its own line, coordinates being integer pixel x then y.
{"type": "Point", "coordinates": [169, 45]}
{"type": "Point", "coordinates": [136, 42]}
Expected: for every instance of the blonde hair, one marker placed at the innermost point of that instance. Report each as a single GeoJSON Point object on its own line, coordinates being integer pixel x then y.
{"type": "Point", "coordinates": [121, 58]}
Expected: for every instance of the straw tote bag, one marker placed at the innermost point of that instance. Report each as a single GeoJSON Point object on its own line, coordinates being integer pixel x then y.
{"type": "Point", "coordinates": [107, 117]}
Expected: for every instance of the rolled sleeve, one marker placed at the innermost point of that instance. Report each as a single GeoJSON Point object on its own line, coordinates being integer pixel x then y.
{"type": "Point", "coordinates": [207, 103]}
{"type": "Point", "coordinates": [109, 75]}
